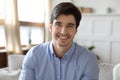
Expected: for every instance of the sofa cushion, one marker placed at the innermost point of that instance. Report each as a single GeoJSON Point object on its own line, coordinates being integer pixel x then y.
{"type": "Point", "coordinates": [116, 72]}
{"type": "Point", "coordinates": [5, 74]}
{"type": "Point", "coordinates": [106, 71]}
{"type": "Point", "coordinates": [15, 62]}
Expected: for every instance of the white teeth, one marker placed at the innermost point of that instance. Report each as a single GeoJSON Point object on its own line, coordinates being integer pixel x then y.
{"type": "Point", "coordinates": [63, 37]}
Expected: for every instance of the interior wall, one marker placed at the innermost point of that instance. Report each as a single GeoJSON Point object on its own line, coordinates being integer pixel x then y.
{"type": "Point", "coordinates": [102, 32]}
{"type": "Point", "coordinates": [54, 2]}
{"type": "Point", "coordinates": [99, 6]}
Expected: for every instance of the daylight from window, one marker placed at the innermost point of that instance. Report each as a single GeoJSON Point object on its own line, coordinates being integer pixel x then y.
{"type": "Point", "coordinates": [29, 11]}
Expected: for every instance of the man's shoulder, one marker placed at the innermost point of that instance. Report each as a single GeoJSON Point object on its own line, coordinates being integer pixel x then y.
{"type": "Point", "coordinates": [83, 50]}
{"type": "Point", "coordinates": [84, 53]}
{"type": "Point", "coordinates": [80, 47]}
{"type": "Point", "coordinates": [41, 48]}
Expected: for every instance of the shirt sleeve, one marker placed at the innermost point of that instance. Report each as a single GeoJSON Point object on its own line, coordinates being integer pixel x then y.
{"type": "Point", "coordinates": [91, 69]}
{"type": "Point", "coordinates": [28, 72]}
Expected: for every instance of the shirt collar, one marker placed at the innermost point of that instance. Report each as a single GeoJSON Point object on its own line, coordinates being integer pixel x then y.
{"type": "Point", "coordinates": [68, 54]}
{"type": "Point", "coordinates": [51, 48]}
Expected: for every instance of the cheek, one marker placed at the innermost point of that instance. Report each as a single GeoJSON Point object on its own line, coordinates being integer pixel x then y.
{"type": "Point", "coordinates": [53, 31]}
{"type": "Point", "coordinates": [72, 32]}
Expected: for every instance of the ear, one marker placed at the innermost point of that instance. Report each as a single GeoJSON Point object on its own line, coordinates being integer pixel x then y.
{"type": "Point", "coordinates": [76, 30]}
{"type": "Point", "coordinates": [50, 27]}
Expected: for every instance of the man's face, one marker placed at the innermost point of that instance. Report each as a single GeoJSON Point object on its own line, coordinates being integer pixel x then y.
{"type": "Point", "coordinates": [63, 30]}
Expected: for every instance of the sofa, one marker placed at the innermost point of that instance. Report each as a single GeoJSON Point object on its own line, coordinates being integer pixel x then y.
{"type": "Point", "coordinates": [106, 71]}
{"type": "Point", "coordinates": [13, 70]}
{"type": "Point", "coordinates": [116, 72]}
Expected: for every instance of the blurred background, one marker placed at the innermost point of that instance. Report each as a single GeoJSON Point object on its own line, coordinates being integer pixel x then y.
{"type": "Point", "coordinates": [24, 23]}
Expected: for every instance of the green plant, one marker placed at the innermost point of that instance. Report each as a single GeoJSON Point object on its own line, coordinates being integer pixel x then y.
{"type": "Point", "coordinates": [91, 48]}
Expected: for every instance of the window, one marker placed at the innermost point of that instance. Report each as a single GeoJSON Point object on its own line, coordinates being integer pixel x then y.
{"type": "Point", "coordinates": [2, 33]}
{"type": "Point", "coordinates": [2, 37]}
{"type": "Point", "coordinates": [31, 35]}
{"type": "Point", "coordinates": [31, 15]}
{"type": "Point", "coordinates": [2, 9]}
{"type": "Point", "coordinates": [31, 10]}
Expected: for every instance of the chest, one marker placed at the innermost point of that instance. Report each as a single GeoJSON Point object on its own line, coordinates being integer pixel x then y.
{"type": "Point", "coordinates": [56, 69]}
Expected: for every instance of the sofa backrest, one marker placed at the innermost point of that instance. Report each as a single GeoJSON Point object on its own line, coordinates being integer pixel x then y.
{"type": "Point", "coordinates": [15, 62]}
{"type": "Point", "coordinates": [106, 71]}
{"type": "Point", "coordinates": [116, 72]}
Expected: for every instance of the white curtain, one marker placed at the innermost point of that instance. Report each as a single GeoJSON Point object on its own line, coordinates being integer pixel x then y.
{"type": "Point", "coordinates": [48, 5]}
{"type": "Point", "coordinates": [13, 45]}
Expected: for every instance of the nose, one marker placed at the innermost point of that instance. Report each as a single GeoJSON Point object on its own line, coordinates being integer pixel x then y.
{"type": "Point", "coordinates": [64, 30]}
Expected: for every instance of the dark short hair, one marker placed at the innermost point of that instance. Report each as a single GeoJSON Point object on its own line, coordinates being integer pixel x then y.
{"type": "Point", "coordinates": [66, 8]}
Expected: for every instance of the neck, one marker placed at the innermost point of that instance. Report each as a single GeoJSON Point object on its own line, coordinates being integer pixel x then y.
{"type": "Point", "coordinates": [60, 51]}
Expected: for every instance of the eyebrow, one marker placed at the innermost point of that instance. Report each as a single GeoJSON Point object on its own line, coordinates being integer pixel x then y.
{"type": "Point", "coordinates": [58, 22]}
{"type": "Point", "coordinates": [71, 24]}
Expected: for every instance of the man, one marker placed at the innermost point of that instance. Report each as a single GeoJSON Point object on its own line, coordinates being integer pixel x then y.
{"type": "Point", "coordinates": [61, 59]}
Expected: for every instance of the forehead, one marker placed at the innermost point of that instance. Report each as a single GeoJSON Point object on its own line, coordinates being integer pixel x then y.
{"type": "Point", "coordinates": [65, 19]}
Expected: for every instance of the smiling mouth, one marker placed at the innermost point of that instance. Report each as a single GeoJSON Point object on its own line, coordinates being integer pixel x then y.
{"type": "Point", "coordinates": [63, 37]}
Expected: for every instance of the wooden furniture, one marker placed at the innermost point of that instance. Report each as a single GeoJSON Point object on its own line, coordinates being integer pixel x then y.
{"type": "Point", "coordinates": [4, 56]}
{"type": "Point", "coordinates": [3, 59]}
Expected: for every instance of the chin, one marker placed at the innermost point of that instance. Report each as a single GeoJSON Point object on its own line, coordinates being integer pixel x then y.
{"type": "Point", "coordinates": [64, 44]}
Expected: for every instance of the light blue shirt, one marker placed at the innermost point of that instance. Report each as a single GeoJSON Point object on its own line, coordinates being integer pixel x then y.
{"type": "Point", "coordinates": [41, 63]}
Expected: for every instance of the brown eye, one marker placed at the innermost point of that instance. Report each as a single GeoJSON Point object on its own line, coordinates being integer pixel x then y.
{"type": "Point", "coordinates": [70, 26]}
{"type": "Point", "coordinates": [58, 24]}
